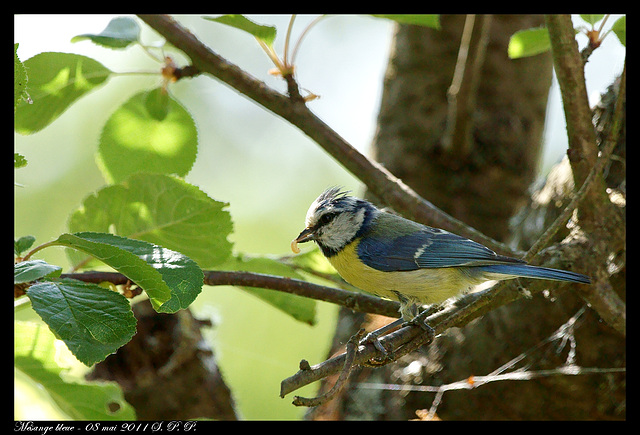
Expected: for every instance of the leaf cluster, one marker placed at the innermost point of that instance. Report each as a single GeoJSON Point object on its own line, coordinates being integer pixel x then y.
{"type": "Point", "coordinates": [146, 223]}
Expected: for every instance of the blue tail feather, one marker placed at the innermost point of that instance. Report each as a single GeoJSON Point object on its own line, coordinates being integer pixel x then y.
{"type": "Point", "coordinates": [528, 271]}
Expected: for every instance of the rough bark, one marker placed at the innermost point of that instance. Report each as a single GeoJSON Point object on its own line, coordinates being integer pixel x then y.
{"type": "Point", "coordinates": [167, 371]}
{"type": "Point", "coordinates": [484, 185]}
{"type": "Point", "coordinates": [507, 121]}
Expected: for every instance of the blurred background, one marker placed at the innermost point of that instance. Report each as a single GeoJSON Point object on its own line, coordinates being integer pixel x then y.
{"type": "Point", "coordinates": [265, 168]}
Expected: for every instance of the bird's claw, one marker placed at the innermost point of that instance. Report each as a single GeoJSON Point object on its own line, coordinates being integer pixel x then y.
{"type": "Point", "coordinates": [419, 321]}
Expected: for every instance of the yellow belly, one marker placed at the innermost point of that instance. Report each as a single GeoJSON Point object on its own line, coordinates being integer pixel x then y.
{"type": "Point", "coordinates": [426, 286]}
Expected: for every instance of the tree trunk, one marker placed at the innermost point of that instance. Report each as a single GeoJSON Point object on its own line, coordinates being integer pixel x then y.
{"type": "Point", "coordinates": [167, 371]}
{"type": "Point", "coordinates": [476, 162]}
{"type": "Point", "coordinates": [483, 181]}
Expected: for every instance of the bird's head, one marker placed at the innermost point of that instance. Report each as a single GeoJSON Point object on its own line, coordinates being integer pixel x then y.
{"type": "Point", "coordinates": [334, 220]}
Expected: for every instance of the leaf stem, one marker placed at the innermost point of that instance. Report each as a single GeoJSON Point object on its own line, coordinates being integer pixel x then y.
{"type": "Point", "coordinates": [604, 20]}
{"type": "Point", "coordinates": [272, 55]}
{"type": "Point", "coordinates": [304, 33]}
{"type": "Point", "coordinates": [38, 248]}
{"type": "Point", "coordinates": [287, 39]}
{"type": "Point", "coordinates": [146, 48]}
{"type": "Point", "coordinates": [133, 73]}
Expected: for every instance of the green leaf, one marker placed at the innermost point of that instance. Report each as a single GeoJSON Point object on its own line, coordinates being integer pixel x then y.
{"type": "Point", "coordinates": [35, 356]}
{"type": "Point", "coordinates": [171, 280]}
{"type": "Point", "coordinates": [157, 103]}
{"type": "Point", "coordinates": [427, 20]}
{"type": "Point", "coordinates": [22, 244]}
{"type": "Point", "coordinates": [20, 80]}
{"type": "Point", "coordinates": [119, 33]}
{"type": "Point", "coordinates": [160, 209]}
{"type": "Point", "coordinates": [19, 161]}
{"type": "Point", "coordinates": [266, 34]}
{"type": "Point", "coordinates": [620, 29]}
{"type": "Point", "coordinates": [31, 270]}
{"type": "Point", "coordinates": [56, 80]}
{"type": "Point", "coordinates": [592, 18]}
{"type": "Point", "coordinates": [92, 321]}
{"type": "Point", "coordinates": [313, 261]}
{"type": "Point", "coordinates": [529, 42]}
{"type": "Point", "coordinates": [137, 140]}
{"type": "Point", "coordinates": [299, 307]}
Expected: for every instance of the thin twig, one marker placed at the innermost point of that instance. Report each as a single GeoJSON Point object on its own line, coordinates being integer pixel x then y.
{"type": "Point", "coordinates": [294, 53]}
{"type": "Point", "coordinates": [350, 354]}
{"type": "Point", "coordinates": [477, 381]}
{"type": "Point", "coordinates": [500, 374]}
{"type": "Point", "coordinates": [461, 96]}
{"type": "Point", "coordinates": [366, 353]}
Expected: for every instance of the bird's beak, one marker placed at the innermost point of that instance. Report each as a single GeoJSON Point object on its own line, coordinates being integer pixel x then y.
{"type": "Point", "coordinates": [306, 235]}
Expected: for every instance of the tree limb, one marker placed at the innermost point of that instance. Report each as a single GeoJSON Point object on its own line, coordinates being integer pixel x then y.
{"type": "Point", "coordinates": [390, 189]}
{"type": "Point", "coordinates": [598, 217]}
{"type": "Point", "coordinates": [596, 171]}
{"type": "Point", "coordinates": [460, 313]}
{"type": "Point", "coordinates": [360, 302]}
{"type": "Point", "coordinates": [567, 61]}
{"type": "Point", "coordinates": [350, 354]}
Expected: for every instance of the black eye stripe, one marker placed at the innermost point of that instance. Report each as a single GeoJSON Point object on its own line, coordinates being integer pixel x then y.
{"type": "Point", "coordinates": [326, 218]}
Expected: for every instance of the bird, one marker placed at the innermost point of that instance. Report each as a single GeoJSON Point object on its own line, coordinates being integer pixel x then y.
{"type": "Point", "coordinates": [395, 258]}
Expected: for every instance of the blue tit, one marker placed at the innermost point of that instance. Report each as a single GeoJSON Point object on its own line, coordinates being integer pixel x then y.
{"type": "Point", "coordinates": [399, 259]}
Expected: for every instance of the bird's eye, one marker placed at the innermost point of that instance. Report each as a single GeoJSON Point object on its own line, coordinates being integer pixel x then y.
{"type": "Point", "coordinates": [326, 218]}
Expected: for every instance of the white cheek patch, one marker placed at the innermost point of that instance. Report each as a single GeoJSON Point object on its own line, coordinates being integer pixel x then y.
{"type": "Point", "coordinates": [341, 230]}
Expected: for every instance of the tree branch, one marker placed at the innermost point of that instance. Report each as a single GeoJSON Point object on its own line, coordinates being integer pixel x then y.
{"type": "Point", "coordinates": [598, 217]}
{"type": "Point", "coordinates": [460, 313]}
{"type": "Point", "coordinates": [567, 61]}
{"type": "Point", "coordinates": [596, 171]}
{"type": "Point", "coordinates": [360, 302]}
{"type": "Point", "coordinates": [391, 190]}
{"type": "Point", "coordinates": [350, 354]}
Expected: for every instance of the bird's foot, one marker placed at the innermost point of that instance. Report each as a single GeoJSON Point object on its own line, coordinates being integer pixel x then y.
{"type": "Point", "coordinates": [373, 337]}
{"type": "Point", "coordinates": [419, 320]}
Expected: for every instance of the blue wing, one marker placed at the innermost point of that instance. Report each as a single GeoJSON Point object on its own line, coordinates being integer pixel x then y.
{"type": "Point", "coordinates": [426, 248]}
{"type": "Point", "coordinates": [397, 244]}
